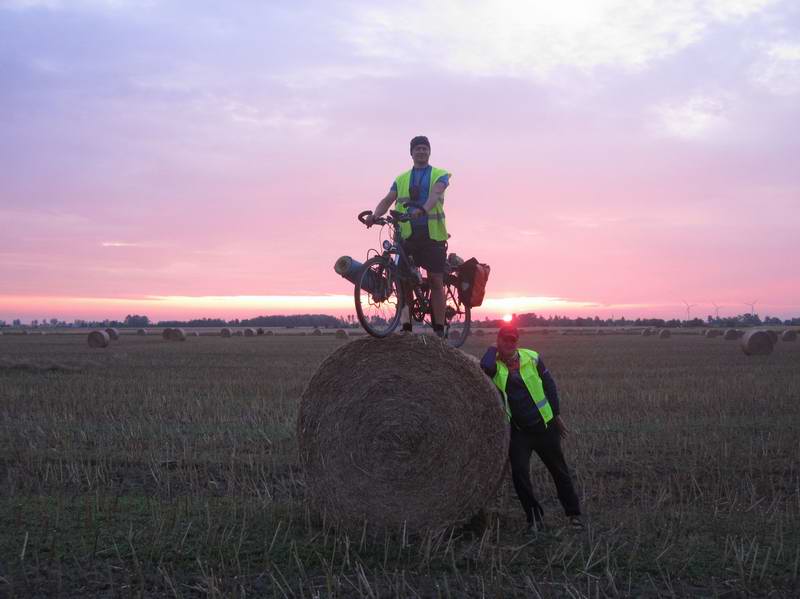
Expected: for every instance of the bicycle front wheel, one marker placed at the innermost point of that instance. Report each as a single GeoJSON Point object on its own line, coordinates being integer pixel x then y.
{"type": "Point", "coordinates": [378, 297]}
{"type": "Point", "coordinates": [458, 318]}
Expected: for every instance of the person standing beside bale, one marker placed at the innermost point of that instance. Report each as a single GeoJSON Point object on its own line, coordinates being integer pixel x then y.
{"type": "Point", "coordinates": [425, 236]}
{"type": "Point", "coordinates": [531, 402]}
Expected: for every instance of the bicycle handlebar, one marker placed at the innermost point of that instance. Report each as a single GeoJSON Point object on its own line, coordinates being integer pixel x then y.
{"type": "Point", "coordinates": [400, 217]}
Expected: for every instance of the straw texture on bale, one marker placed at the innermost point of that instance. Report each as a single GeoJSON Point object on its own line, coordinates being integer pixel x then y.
{"type": "Point", "coordinates": [316, 332]}
{"type": "Point", "coordinates": [646, 333]}
{"type": "Point", "coordinates": [225, 333]}
{"type": "Point", "coordinates": [341, 334]}
{"type": "Point", "coordinates": [174, 335]}
{"type": "Point", "coordinates": [757, 343]}
{"type": "Point", "coordinates": [391, 452]}
{"type": "Point", "coordinates": [113, 334]}
{"type": "Point", "coordinates": [789, 336]}
{"type": "Point", "coordinates": [772, 335]}
{"type": "Point", "coordinates": [664, 334]}
{"type": "Point", "coordinates": [711, 333]}
{"type": "Point", "coordinates": [141, 332]}
{"type": "Point", "coordinates": [98, 339]}
{"type": "Point", "coordinates": [249, 332]}
{"type": "Point", "coordinates": [269, 333]}
{"type": "Point", "coordinates": [731, 335]}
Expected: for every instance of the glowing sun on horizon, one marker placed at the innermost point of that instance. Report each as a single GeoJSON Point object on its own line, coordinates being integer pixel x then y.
{"type": "Point", "coordinates": [507, 317]}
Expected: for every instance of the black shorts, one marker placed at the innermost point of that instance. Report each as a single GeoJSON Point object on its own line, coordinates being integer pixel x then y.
{"type": "Point", "coordinates": [427, 253]}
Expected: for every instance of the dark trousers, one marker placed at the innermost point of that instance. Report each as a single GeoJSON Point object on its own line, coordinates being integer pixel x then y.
{"type": "Point", "coordinates": [547, 445]}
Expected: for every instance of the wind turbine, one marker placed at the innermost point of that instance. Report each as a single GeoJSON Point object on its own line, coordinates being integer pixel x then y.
{"type": "Point", "coordinates": [689, 310]}
{"type": "Point", "coordinates": [752, 306]}
{"type": "Point", "coordinates": [716, 310]}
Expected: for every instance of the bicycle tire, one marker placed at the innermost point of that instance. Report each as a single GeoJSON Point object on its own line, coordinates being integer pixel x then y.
{"type": "Point", "coordinates": [377, 289]}
{"type": "Point", "coordinates": [451, 296]}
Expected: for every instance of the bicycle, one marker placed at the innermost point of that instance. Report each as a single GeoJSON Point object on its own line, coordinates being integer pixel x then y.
{"type": "Point", "coordinates": [386, 279]}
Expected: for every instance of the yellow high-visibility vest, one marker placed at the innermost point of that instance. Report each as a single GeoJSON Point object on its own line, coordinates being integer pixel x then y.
{"type": "Point", "coordinates": [528, 359]}
{"type": "Point", "coordinates": [436, 222]}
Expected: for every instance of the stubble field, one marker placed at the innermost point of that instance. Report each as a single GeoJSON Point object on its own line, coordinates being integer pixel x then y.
{"type": "Point", "coordinates": [170, 469]}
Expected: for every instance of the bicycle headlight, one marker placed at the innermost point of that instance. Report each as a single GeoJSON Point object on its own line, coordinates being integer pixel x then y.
{"type": "Point", "coordinates": [387, 245]}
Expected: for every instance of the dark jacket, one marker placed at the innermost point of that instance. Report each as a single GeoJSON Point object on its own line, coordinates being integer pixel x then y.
{"type": "Point", "coordinates": [524, 413]}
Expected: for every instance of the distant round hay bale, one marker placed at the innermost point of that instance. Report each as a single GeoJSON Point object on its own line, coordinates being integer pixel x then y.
{"type": "Point", "coordinates": [113, 334]}
{"type": "Point", "coordinates": [316, 332]}
{"type": "Point", "coordinates": [731, 335]}
{"type": "Point", "coordinates": [664, 334]}
{"type": "Point", "coordinates": [249, 332]}
{"type": "Point", "coordinates": [646, 332]}
{"type": "Point", "coordinates": [238, 333]}
{"type": "Point", "coordinates": [226, 333]}
{"type": "Point", "coordinates": [789, 335]}
{"type": "Point", "coordinates": [194, 333]}
{"type": "Point", "coordinates": [269, 333]}
{"type": "Point", "coordinates": [259, 331]}
{"type": "Point", "coordinates": [480, 333]}
{"type": "Point", "coordinates": [174, 334]}
{"type": "Point", "coordinates": [141, 332]}
{"type": "Point", "coordinates": [454, 334]}
{"type": "Point", "coordinates": [341, 334]}
{"type": "Point", "coordinates": [98, 339]}
{"type": "Point", "coordinates": [599, 332]}
{"type": "Point", "coordinates": [757, 343]}
{"type": "Point", "coordinates": [373, 447]}
{"type": "Point", "coordinates": [773, 335]}
{"type": "Point", "coordinates": [711, 333]}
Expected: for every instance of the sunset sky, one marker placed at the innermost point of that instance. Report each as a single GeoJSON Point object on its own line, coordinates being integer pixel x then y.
{"type": "Point", "coordinates": [199, 158]}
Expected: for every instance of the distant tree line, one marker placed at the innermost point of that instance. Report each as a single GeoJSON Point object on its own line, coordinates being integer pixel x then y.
{"type": "Point", "coordinates": [531, 319]}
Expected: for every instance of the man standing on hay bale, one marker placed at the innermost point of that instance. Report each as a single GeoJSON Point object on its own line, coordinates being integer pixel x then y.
{"type": "Point", "coordinates": [531, 403]}
{"type": "Point", "coordinates": [425, 236]}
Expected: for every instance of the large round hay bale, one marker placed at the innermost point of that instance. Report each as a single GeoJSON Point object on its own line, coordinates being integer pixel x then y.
{"type": "Point", "coordinates": [98, 339]}
{"type": "Point", "coordinates": [225, 333]}
{"type": "Point", "coordinates": [757, 343]}
{"type": "Point", "coordinates": [773, 335]}
{"type": "Point", "coordinates": [341, 334]}
{"type": "Point", "coordinates": [269, 333]}
{"type": "Point", "coordinates": [789, 335]}
{"type": "Point", "coordinates": [174, 334]}
{"type": "Point", "coordinates": [141, 332]}
{"type": "Point", "coordinates": [664, 334]}
{"type": "Point", "coordinates": [249, 332]}
{"type": "Point", "coordinates": [731, 335]}
{"type": "Point", "coordinates": [113, 334]}
{"type": "Point", "coordinates": [393, 451]}
{"type": "Point", "coordinates": [316, 332]}
{"type": "Point", "coordinates": [711, 333]}
{"type": "Point", "coordinates": [646, 332]}
{"type": "Point", "coordinates": [165, 334]}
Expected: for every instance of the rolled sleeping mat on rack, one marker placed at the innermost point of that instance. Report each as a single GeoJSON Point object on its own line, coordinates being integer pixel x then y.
{"type": "Point", "coordinates": [350, 269]}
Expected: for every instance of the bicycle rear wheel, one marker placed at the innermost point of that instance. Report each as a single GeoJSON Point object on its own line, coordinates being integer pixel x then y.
{"type": "Point", "coordinates": [378, 297]}
{"type": "Point", "coordinates": [457, 316]}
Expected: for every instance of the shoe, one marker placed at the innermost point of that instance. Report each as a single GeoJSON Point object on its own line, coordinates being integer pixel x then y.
{"type": "Point", "coordinates": [576, 522]}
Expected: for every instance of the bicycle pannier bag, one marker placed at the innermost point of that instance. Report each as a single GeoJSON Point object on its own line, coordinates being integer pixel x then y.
{"type": "Point", "coordinates": [473, 276]}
